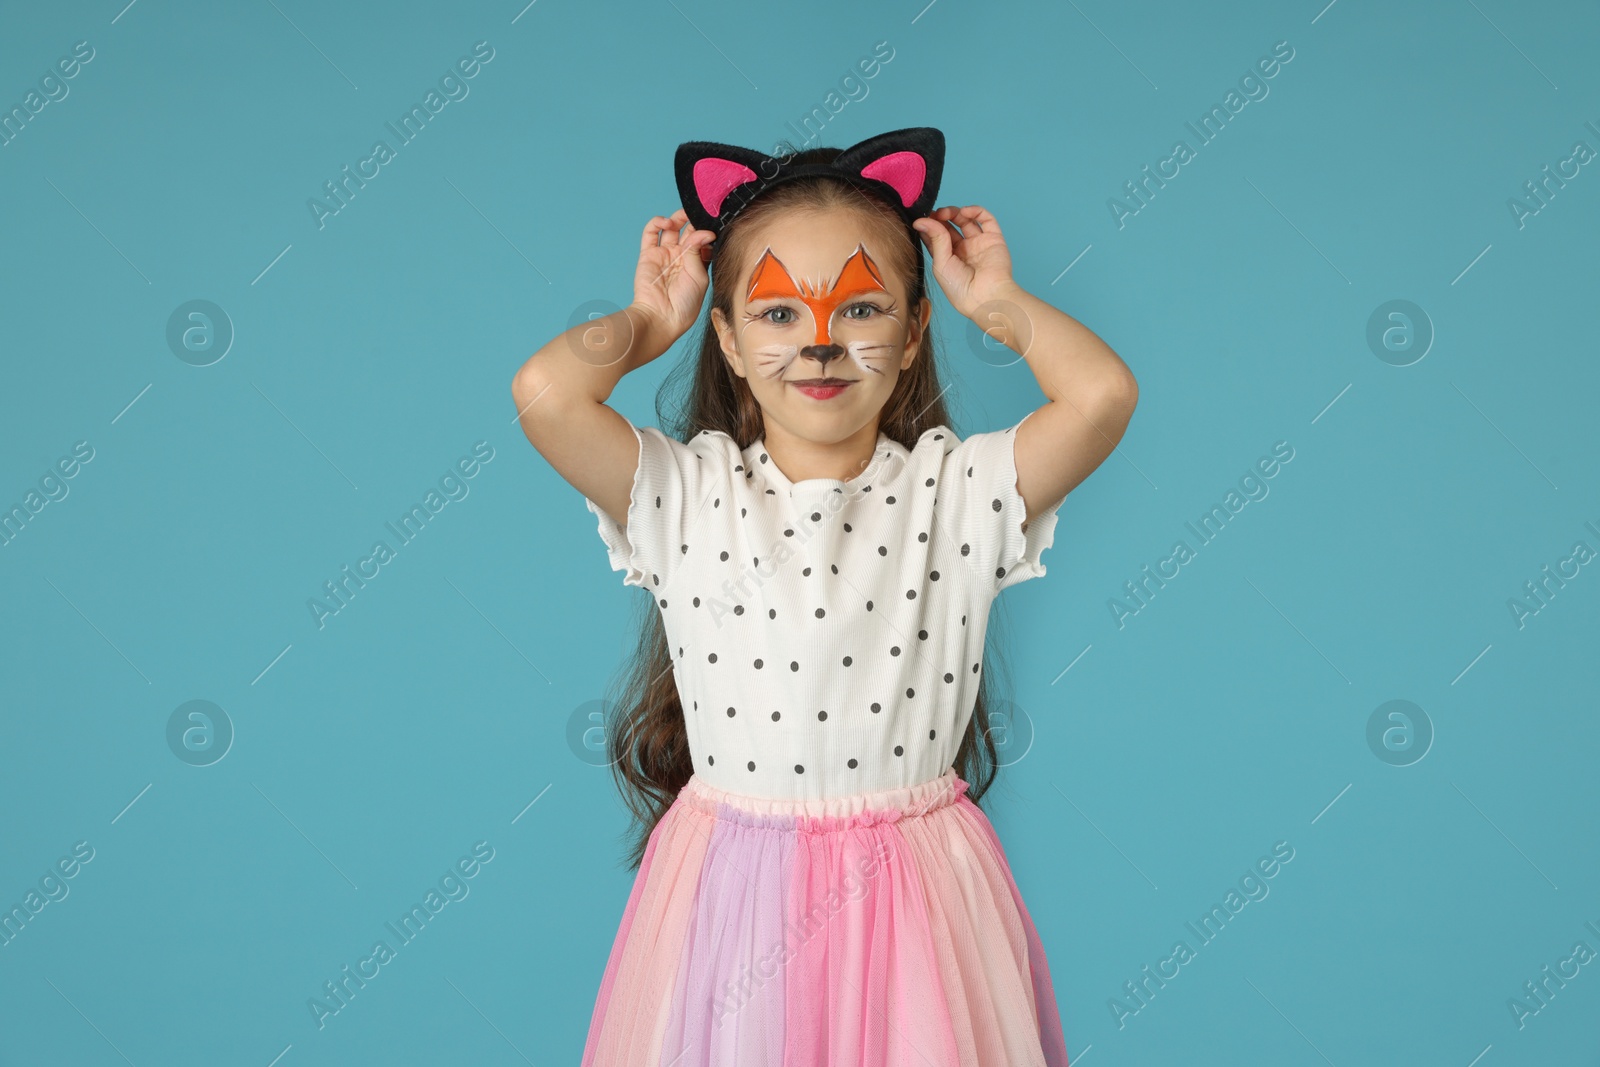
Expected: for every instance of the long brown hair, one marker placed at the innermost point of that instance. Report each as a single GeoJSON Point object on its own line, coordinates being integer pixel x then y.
{"type": "Point", "coordinates": [648, 739]}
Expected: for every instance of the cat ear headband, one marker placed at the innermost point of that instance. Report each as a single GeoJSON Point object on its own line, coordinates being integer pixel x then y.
{"type": "Point", "coordinates": [902, 168]}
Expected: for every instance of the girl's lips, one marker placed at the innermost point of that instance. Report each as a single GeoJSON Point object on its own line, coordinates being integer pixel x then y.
{"type": "Point", "coordinates": [823, 392]}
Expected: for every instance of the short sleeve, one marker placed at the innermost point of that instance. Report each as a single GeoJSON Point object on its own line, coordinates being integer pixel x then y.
{"type": "Point", "coordinates": [980, 508]}
{"type": "Point", "coordinates": [672, 482]}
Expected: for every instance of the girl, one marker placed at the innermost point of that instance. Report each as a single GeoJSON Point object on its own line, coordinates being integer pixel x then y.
{"type": "Point", "coordinates": [805, 735]}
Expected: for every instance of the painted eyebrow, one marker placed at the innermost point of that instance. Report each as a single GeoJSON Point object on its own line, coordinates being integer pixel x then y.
{"type": "Point", "coordinates": [863, 290]}
{"type": "Point", "coordinates": [797, 298]}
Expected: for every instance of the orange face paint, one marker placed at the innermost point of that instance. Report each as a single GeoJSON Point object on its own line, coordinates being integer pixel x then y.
{"type": "Point", "coordinates": [771, 280]}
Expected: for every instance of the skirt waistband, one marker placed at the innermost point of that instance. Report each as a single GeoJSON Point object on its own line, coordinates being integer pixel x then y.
{"type": "Point", "coordinates": [834, 813]}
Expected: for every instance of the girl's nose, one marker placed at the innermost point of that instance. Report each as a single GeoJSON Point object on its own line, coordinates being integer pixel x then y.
{"type": "Point", "coordinates": [822, 353]}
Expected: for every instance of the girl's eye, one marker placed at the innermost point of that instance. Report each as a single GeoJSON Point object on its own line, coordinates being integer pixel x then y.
{"type": "Point", "coordinates": [867, 308]}
{"type": "Point", "coordinates": [767, 314]}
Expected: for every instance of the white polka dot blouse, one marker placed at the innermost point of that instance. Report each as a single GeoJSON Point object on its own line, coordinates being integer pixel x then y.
{"type": "Point", "coordinates": [826, 635]}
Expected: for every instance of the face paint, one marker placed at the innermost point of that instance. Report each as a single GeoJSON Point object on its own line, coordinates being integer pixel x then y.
{"type": "Point", "coordinates": [859, 277]}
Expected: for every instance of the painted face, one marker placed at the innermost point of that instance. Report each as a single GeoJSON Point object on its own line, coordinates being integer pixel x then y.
{"type": "Point", "coordinates": [853, 319]}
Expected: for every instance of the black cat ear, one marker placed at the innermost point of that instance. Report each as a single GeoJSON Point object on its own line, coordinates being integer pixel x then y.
{"type": "Point", "coordinates": [710, 175]}
{"type": "Point", "coordinates": [909, 161]}
{"type": "Point", "coordinates": [715, 181]}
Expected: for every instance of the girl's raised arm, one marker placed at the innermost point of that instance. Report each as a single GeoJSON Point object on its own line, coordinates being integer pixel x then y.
{"type": "Point", "coordinates": [1090, 391]}
{"type": "Point", "coordinates": [561, 391]}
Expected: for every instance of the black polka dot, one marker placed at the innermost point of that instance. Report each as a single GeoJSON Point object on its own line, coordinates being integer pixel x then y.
{"type": "Point", "coordinates": [751, 765]}
{"type": "Point", "coordinates": [847, 527]}
{"type": "Point", "coordinates": [995, 503]}
{"type": "Point", "coordinates": [911, 692]}
{"type": "Point", "coordinates": [930, 734]}
{"type": "Point", "coordinates": [776, 716]}
{"type": "Point", "coordinates": [933, 575]}
{"type": "Point", "coordinates": [816, 516]}
{"type": "Point", "coordinates": [799, 769]}
{"type": "Point", "coordinates": [790, 533]}
{"type": "Point", "coordinates": [1000, 572]}
{"type": "Point", "coordinates": [711, 760]}
{"type": "Point", "coordinates": [822, 716]}
{"type": "Point", "coordinates": [772, 613]}
{"type": "Point", "coordinates": [966, 550]}
{"type": "Point", "coordinates": [758, 664]}
{"type": "Point", "coordinates": [899, 750]}
{"type": "Point", "coordinates": [663, 602]}
{"type": "Point", "coordinates": [894, 650]}
{"type": "Point", "coordinates": [911, 594]}
{"type": "Point", "coordinates": [949, 677]}
{"type": "Point", "coordinates": [806, 572]}
{"type": "Point", "coordinates": [724, 556]}
{"type": "Point", "coordinates": [883, 550]}
{"type": "Point", "coordinates": [928, 482]}
{"type": "Point", "coordinates": [869, 605]}
{"type": "Point", "coordinates": [820, 612]}
{"type": "Point", "coordinates": [922, 635]}
{"type": "Point", "coordinates": [888, 500]}
{"type": "Point", "coordinates": [712, 658]}
{"type": "Point", "coordinates": [730, 713]}
{"type": "Point", "coordinates": [876, 708]}
{"type": "Point", "coordinates": [847, 661]}
{"type": "Point", "coordinates": [738, 609]}
{"type": "Point", "coordinates": [793, 665]}
{"type": "Point", "coordinates": [923, 537]}
{"type": "Point", "coordinates": [696, 601]}
{"type": "Point", "coordinates": [851, 764]}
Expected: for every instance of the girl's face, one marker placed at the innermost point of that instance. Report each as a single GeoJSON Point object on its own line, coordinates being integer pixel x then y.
{"type": "Point", "coordinates": [820, 329]}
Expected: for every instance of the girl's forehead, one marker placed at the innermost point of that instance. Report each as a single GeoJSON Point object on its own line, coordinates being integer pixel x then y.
{"type": "Point", "coordinates": [797, 260]}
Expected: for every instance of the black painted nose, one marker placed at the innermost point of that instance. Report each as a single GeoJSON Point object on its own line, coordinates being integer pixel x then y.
{"type": "Point", "coordinates": [822, 354]}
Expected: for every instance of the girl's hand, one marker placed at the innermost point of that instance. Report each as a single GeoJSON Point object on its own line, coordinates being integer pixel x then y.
{"type": "Point", "coordinates": [670, 283]}
{"type": "Point", "coordinates": [970, 258]}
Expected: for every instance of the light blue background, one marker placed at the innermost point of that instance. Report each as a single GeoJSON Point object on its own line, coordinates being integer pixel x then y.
{"type": "Point", "coordinates": [1229, 714]}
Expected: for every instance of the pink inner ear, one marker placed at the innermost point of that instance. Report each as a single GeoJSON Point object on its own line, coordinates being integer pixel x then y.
{"type": "Point", "coordinates": [906, 171]}
{"type": "Point", "coordinates": [715, 178]}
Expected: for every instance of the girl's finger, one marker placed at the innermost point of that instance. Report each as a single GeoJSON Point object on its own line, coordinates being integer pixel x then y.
{"type": "Point", "coordinates": [955, 240]}
{"type": "Point", "coordinates": [964, 221]}
{"type": "Point", "coordinates": [671, 233]}
{"type": "Point", "coordinates": [983, 218]}
{"type": "Point", "coordinates": [686, 254]}
{"type": "Point", "coordinates": [937, 237]}
{"type": "Point", "coordinates": [652, 233]}
{"type": "Point", "coordinates": [694, 256]}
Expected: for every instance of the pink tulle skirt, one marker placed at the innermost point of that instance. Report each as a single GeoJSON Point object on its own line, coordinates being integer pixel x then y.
{"type": "Point", "coordinates": [878, 930]}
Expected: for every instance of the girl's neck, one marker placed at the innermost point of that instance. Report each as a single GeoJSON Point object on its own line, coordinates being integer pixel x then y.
{"type": "Point", "coordinates": [800, 460]}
